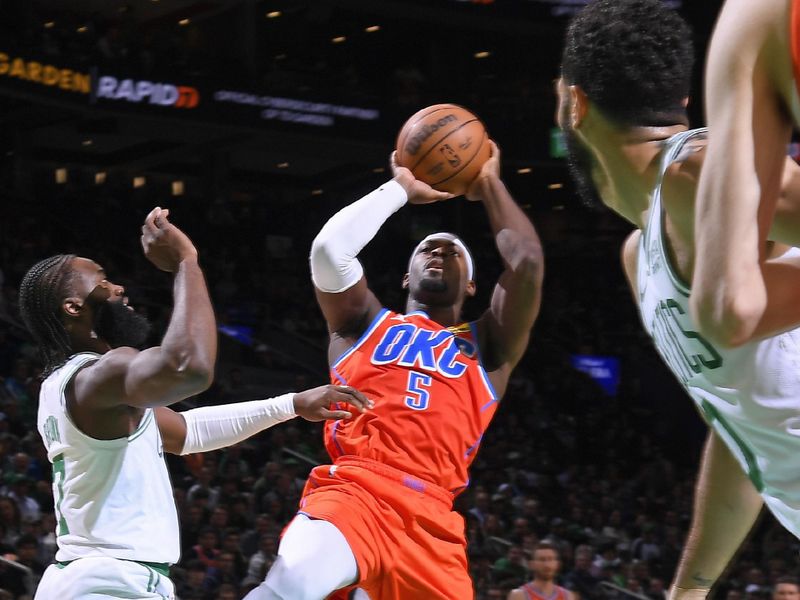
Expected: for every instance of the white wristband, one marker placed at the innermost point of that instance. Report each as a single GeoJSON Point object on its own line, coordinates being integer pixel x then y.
{"type": "Point", "coordinates": [215, 427]}
{"type": "Point", "coordinates": [334, 266]}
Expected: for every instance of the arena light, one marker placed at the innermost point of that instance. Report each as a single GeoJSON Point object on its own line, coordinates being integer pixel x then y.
{"type": "Point", "coordinates": [524, 170]}
{"type": "Point", "coordinates": [558, 207]}
{"type": "Point", "coordinates": [87, 142]}
{"type": "Point", "coordinates": [49, 24]}
{"type": "Point", "coordinates": [61, 175]}
{"type": "Point", "coordinates": [373, 28]}
{"type": "Point", "coordinates": [280, 56]}
{"type": "Point", "coordinates": [177, 188]}
{"type": "Point", "coordinates": [274, 14]}
{"type": "Point", "coordinates": [483, 54]}
{"type": "Point", "coordinates": [378, 170]}
{"type": "Point", "coordinates": [316, 192]}
{"type": "Point", "coordinates": [184, 22]}
{"type": "Point", "coordinates": [555, 186]}
{"type": "Point", "coordinates": [83, 29]}
{"type": "Point", "coordinates": [100, 178]}
{"type": "Point", "coordinates": [339, 39]}
{"type": "Point", "coordinates": [283, 165]}
{"type": "Point", "coordinates": [139, 181]}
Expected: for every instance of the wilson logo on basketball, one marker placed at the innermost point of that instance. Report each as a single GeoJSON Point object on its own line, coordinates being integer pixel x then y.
{"type": "Point", "coordinates": [426, 131]}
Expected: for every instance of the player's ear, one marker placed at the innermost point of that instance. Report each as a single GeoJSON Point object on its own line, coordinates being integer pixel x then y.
{"type": "Point", "coordinates": [685, 102]}
{"type": "Point", "coordinates": [405, 281]}
{"type": "Point", "coordinates": [471, 289]}
{"type": "Point", "coordinates": [578, 105]}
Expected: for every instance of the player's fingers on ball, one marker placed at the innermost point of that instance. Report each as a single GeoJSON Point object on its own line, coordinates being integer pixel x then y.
{"type": "Point", "coordinates": [495, 149]}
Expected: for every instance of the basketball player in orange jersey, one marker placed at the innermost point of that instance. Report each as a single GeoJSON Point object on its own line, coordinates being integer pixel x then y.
{"type": "Point", "coordinates": [545, 565]}
{"type": "Point", "coordinates": [752, 103]}
{"type": "Point", "coordinates": [381, 516]}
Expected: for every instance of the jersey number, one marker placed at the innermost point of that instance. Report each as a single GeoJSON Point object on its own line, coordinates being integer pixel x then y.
{"type": "Point", "coordinates": [418, 396]}
{"type": "Point", "coordinates": [58, 483]}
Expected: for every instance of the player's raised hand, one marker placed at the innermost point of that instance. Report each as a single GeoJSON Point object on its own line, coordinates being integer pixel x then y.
{"type": "Point", "coordinates": [490, 170]}
{"type": "Point", "coordinates": [313, 404]}
{"type": "Point", "coordinates": [165, 245]}
{"type": "Point", "coordinates": [418, 191]}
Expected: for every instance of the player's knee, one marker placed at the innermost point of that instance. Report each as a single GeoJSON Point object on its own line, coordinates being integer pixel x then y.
{"type": "Point", "coordinates": [293, 582]}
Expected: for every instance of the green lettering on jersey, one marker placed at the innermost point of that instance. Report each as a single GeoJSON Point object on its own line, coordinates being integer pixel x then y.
{"type": "Point", "coordinates": [753, 472]}
{"type": "Point", "coordinates": [59, 472]}
{"type": "Point", "coordinates": [710, 359]}
{"type": "Point", "coordinates": [51, 433]}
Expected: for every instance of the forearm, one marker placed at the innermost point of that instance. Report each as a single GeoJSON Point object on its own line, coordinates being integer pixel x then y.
{"type": "Point", "coordinates": [214, 427]}
{"type": "Point", "coordinates": [726, 506]}
{"type": "Point", "coordinates": [190, 342]}
{"type": "Point", "coordinates": [728, 290]}
{"type": "Point", "coordinates": [334, 266]}
{"type": "Point", "coordinates": [515, 236]}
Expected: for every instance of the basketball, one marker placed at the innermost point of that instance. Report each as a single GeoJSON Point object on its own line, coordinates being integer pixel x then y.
{"type": "Point", "coordinates": [445, 146]}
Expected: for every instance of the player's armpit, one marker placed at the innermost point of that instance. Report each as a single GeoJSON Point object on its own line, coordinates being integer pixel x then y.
{"type": "Point", "coordinates": [172, 427]}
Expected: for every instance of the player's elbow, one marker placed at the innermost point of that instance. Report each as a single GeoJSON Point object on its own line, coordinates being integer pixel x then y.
{"type": "Point", "coordinates": [728, 323]}
{"type": "Point", "coordinates": [529, 262]}
{"type": "Point", "coordinates": [192, 370]}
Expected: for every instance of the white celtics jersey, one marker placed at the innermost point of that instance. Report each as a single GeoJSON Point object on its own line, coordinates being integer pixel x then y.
{"type": "Point", "coordinates": [750, 395]}
{"type": "Point", "coordinates": [113, 498]}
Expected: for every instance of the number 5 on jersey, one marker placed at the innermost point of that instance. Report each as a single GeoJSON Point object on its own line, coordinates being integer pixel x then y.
{"type": "Point", "coordinates": [418, 396]}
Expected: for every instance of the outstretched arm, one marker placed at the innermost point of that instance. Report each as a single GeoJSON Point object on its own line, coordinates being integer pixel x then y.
{"type": "Point", "coordinates": [740, 183]}
{"type": "Point", "coordinates": [726, 505]}
{"type": "Point", "coordinates": [517, 296]}
{"type": "Point", "coordinates": [346, 302]}
{"type": "Point", "coordinates": [214, 427]}
{"type": "Point", "coordinates": [183, 365]}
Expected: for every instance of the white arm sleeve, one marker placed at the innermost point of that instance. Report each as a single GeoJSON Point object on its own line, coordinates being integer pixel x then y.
{"type": "Point", "coordinates": [334, 266]}
{"type": "Point", "coordinates": [214, 427]}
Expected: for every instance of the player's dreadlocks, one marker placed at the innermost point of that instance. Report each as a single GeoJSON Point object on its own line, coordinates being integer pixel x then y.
{"type": "Point", "coordinates": [40, 295]}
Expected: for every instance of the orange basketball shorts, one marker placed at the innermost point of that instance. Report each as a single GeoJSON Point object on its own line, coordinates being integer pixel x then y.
{"type": "Point", "coordinates": [408, 542]}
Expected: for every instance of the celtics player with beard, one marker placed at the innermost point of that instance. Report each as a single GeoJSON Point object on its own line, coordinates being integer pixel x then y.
{"type": "Point", "coordinates": [623, 93]}
{"type": "Point", "coordinates": [104, 419]}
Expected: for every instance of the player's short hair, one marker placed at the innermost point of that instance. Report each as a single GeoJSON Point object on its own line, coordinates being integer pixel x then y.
{"type": "Point", "coordinates": [546, 545]}
{"type": "Point", "coordinates": [42, 289]}
{"type": "Point", "coordinates": [633, 59]}
{"type": "Point", "coordinates": [787, 579]}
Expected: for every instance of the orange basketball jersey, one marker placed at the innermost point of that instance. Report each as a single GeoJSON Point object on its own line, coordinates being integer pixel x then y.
{"type": "Point", "coordinates": [433, 399]}
{"type": "Point", "coordinates": [531, 593]}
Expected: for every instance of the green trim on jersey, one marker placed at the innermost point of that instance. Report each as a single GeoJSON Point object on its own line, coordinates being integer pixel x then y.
{"type": "Point", "coordinates": [680, 285]}
{"type": "Point", "coordinates": [148, 417]}
{"type": "Point", "coordinates": [753, 472]}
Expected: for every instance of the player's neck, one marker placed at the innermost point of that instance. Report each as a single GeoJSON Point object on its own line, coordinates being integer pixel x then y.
{"type": "Point", "coordinates": [444, 315]}
{"type": "Point", "coordinates": [545, 586]}
{"type": "Point", "coordinates": [627, 167]}
{"type": "Point", "coordinates": [84, 341]}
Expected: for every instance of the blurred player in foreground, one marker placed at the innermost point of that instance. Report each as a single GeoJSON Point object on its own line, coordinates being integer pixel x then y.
{"type": "Point", "coordinates": [752, 103]}
{"type": "Point", "coordinates": [626, 72]}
